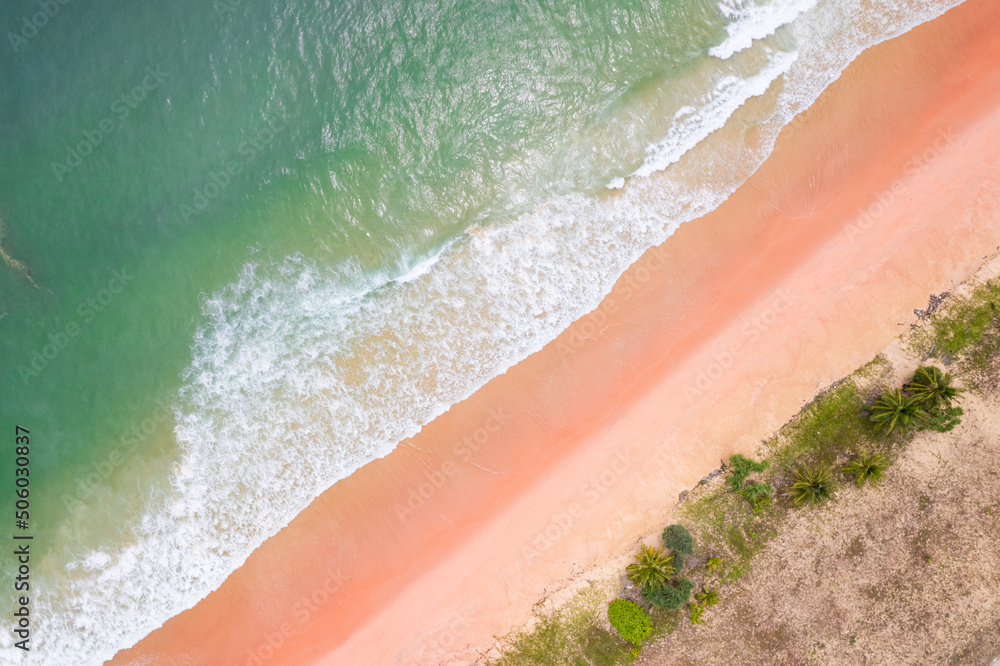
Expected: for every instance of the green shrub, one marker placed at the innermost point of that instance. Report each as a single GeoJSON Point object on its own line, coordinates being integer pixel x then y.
{"type": "Point", "coordinates": [677, 539]}
{"type": "Point", "coordinates": [895, 410]}
{"type": "Point", "coordinates": [652, 567]}
{"type": "Point", "coordinates": [714, 563]}
{"type": "Point", "coordinates": [678, 562]}
{"type": "Point", "coordinates": [630, 620]}
{"type": "Point", "coordinates": [670, 595]}
{"type": "Point", "coordinates": [741, 467]}
{"type": "Point", "coordinates": [758, 494]}
{"type": "Point", "coordinates": [868, 467]}
{"type": "Point", "coordinates": [753, 489]}
{"type": "Point", "coordinates": [943, 420]}
{"type": "Point", "coordinates": [812, 485]}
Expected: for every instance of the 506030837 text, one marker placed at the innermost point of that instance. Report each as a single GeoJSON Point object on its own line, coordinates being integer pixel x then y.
{"type": "Point", "coordinates": [22, 541]}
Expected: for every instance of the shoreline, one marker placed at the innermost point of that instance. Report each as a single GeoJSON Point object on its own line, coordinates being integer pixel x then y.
{"type": "Point", "coordinates": [833, 582]}
{"type": "Point", "coordinates": [522, 483]}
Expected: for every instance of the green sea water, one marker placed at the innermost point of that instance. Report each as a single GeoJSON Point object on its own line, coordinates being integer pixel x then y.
{"type": "Point", "coordinates": [359, 131]}
{"type": "Point", "coordinates": [238, 231]}
{"type": "Point", "coordinates": [390, 141]}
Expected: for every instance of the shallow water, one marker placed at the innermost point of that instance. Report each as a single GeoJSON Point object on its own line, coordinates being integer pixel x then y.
{"type": "Point", "coordinates": [248, 249]}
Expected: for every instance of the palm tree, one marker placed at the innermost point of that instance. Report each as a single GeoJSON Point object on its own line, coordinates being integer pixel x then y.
{"type": "Point", "coordinates": [894, 410]}
{"type": "Point", "coordinates": [933, 386]}
{"type": "Point", "coordinates": [652, 567]}
{"type": "Point", "coordinates": [868, 467]}
{"type": "Point", "coordinates": [812, 485]}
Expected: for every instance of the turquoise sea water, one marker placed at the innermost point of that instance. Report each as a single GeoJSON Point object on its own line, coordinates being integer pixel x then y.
{"type": "Point", "coordinates": [249, 248]}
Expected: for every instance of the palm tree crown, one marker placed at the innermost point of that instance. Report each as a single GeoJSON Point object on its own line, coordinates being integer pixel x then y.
{"type": "Point", "coordinates": [652, 567]}
{"type": "Point", "coordinates": [868, 467]}
{"type": "Point", "coordinates": [933, 386]}
{"type": "Point", "coordinates": [895, 410]}
{"type": "Point", "coordinates": [812, 484]}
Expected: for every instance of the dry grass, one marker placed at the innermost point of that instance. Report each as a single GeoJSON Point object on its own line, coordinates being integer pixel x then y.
{"type": "Point", "coordinates": [905, 574]}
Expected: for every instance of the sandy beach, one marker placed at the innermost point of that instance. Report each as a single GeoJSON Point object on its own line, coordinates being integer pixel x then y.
{"type": "Point", "coordinates": [905, 571]}
{"type": "Point", "coordinates": [886, 191]}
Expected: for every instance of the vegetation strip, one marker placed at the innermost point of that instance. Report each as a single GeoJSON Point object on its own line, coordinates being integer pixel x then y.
{"type": "Point", "coordinates": [854, 431]}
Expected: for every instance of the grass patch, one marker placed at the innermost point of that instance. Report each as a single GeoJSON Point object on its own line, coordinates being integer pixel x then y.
{"type": "Point", "coordinates": [722, 522]}
{"type": "Point", "coordinates": [664, 622]}
{"type": "Point", "coordinates": [550, 637]}
{"type": "Point", "coordinates": [833, 424]}
{"type": "Point", "coordinates": [737, 542]}
{"type": "Point", "coordinates": [966, 329]}
{"type": "Point", "coordinates": [577, 634]}
{"type": "Point", "coordinates": [965, 321]}
{"type": "Point", "coordinates": [600, 647]}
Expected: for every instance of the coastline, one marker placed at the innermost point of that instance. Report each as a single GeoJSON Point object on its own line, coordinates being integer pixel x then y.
{"type": "Point", "coordinates": [576, 425]}
{"type": "Point", "coordinates": [899, 570]}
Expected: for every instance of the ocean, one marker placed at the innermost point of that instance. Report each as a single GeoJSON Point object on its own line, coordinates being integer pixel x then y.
{"type": "Point", "coordinates": [246, 248]}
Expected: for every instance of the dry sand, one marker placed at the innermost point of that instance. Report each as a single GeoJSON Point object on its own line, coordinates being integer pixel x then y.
{"type": "Point", "coordinates": [706, 345]}
{"type": "Point", "coordinates": [906, 573]}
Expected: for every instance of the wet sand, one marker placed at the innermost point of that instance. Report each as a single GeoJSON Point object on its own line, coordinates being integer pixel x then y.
{"type": "Point", "coordinates": [888, 191]}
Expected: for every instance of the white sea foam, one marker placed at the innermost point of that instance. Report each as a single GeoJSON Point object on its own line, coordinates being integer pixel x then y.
{"type": "Point", "coordinates": [302, 374]}
{"type": "Point", "coordinates": [693, 123]}
{"type": "Point", "coordinates": [421, 268]}
{"type": "Point", "coordinates": [750, 21]}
